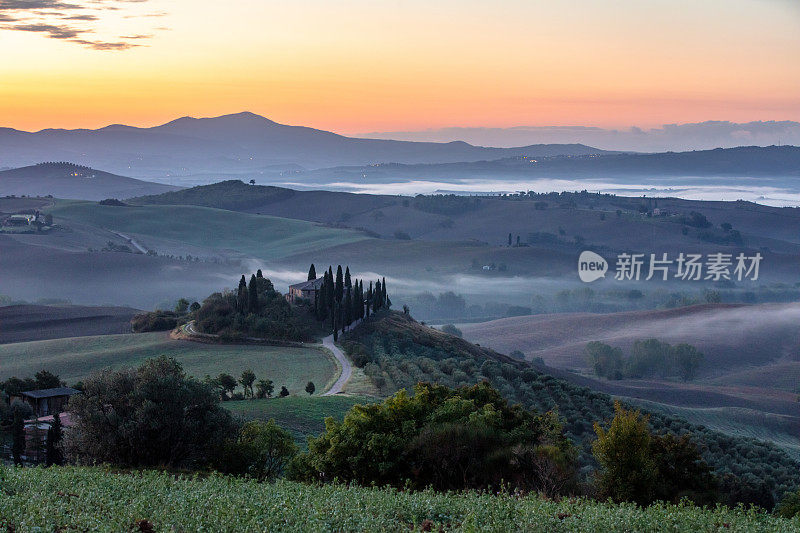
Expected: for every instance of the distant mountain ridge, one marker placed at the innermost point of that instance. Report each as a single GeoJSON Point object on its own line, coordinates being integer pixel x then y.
{"type": "Point", "coordinates": [68, 180]}
{"type": "Point", "coordinates": [236, 144]}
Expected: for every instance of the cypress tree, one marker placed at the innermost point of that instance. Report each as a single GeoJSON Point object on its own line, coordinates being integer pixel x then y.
{"type": "Point", "coordinates": [312, 272]}
{"type": "Point", "coordinates": [259, 274]}
{"type": "Point", "coordinates": [348, 307]}
{"type": "Point", "coordinates": [347, 281]}
{"type": "Point", "coordinates": [330, 294]}
{"type": "Point", "coordinates": [339, 288]}
{"type": "Point", "coordinates": [384, 298]}
{"type": "Point", "coordinates": [322, 299]}
{"type": "Point", "coordinates": [376, 296]}
{"type": "Point", "coordinates": [368, 299]}
{"type": "Point", "coordinates": [252, 300]}
{"type": "Point", "coordinates": [241, 296]}
{"type": "Point", "coordinates": [18, 437]}
{"type": "Point", "coordinates": [54, 434]}
{"type": "Point", "coordinates": [361, 298]}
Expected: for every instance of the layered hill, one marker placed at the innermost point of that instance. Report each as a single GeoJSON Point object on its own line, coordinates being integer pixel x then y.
{"type": "Point", "coordinates": [236, 144]}
{"type": "Point", "coordinates": [68, 180]}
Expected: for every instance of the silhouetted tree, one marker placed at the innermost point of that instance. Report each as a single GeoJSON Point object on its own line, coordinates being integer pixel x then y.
{"type": "Point", "coordinates": [241, 296]}
{"type": "Point", "coordinates": [339, 287]}
{"type": "Point", "coordinates": [264, 388]}
{"type": "Point", "coordinates": [54, 435]}
{"type": "Point", "coordinates": [18, 437]}
{"type": "Point", "coordinates": [312, 272]}
{"type": "Point", "coordinates": [247, 379]}
{"type": "Point", "coordinates": [252, 295]}
{"type": "Point", "coordinates": [310, 388]}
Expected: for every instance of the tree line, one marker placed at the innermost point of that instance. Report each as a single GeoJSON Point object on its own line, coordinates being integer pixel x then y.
{"type": "Point", "coordinates": [648, 358]}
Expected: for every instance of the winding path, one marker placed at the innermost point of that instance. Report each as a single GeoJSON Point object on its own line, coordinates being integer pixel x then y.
{"type": "Point", "coordinates": [347, 367]}
{"type": "Point", "coordinates": [131, 241]}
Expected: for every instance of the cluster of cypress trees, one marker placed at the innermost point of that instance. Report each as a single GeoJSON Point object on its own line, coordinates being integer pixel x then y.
{"type": "Point", "coordinates": [247, 294]}
{"type": "Point", "coordinates": [343, 300]}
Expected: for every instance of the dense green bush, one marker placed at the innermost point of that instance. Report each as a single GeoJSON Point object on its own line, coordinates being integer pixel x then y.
{"type": "Point", "coordinates": [444, 438]}
{"type": "Point", "coordinates": [154, 321]}
{"type": "Point", "coordinates": [151, 416]}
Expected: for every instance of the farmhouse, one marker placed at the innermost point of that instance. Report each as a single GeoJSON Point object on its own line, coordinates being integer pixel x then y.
{"type": "Point", "coordinates": [21, 220]}
{"type": "Point", "coordinates": [45, 402]}
{"type": "Point", "coordinates": [305, 290]}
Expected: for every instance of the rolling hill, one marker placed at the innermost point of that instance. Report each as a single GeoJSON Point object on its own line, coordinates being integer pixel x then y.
{"type": "Point", "coordinates": [397, 352]}
{"type": "Point", "coordinates": [38, 322]}
{"type": "Point", "coordinates": [67, 180]}
{"type": "Point", "coordinates": [747, 384]}
{"type": "Point", "coordinates": [233, 145]}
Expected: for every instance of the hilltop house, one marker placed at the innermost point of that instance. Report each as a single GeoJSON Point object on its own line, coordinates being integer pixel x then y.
{"type": "Point", "coordinates": [46, 401]}
{"type": "Point", "coordinates": [306, 290]}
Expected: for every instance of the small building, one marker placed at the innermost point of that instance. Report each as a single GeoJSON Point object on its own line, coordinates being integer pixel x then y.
{"type": "Point", "coordinates": [36, 436]}
{"type": "Point", "coordinates": [21, 220]}
{"type": "Point", "coordinates": [306, 290]}
{"type": "Point", "coordinates": [45, 402]}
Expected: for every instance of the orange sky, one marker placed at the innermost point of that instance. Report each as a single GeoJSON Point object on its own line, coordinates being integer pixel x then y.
{"type": "Point", "coordinates": [356, 66]}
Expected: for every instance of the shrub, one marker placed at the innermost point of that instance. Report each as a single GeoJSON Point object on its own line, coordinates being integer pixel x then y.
{"type": "Point", "coordinates": [151, 416]}
{"type": "Point", "coordinates": [450, 329]}
{"type": "Point", "coordinates": [444, 438]}
{"type": "Point", "coordinates": [262, 450]}
{"type": "Point", "coordinates": [154, 321]}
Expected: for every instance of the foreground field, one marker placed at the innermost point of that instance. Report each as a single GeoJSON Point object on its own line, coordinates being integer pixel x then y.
{"type": "Point", "coordinates": [68, 499]}
{"type": "Point", "coordinates": [73, 359]}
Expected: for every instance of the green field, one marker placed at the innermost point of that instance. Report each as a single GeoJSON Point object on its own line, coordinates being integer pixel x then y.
{"type": "Point", "coordinates": [301, 415]}
{"type": "Point", "coordinates": [259, 236]}
{"type": "Point", "coordinates": [71, 499]}
{"type": "Point", "coordinates": [73, 359]}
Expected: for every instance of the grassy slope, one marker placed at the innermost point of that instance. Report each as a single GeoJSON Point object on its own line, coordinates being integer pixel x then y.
{"type": "Point", "coordinates": [254, 235]}
{"type": "Point", "coordinates": [75, 358]}
{"type": "Point", "coordinates": [67, 499]}
{"type": "Point", "coordinates": [302, 415]}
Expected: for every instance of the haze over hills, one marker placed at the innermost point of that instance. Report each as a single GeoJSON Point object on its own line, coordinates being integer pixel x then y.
{"type": "Point", "coordinates": [739, 162]}
{"type": "Point", "coordinates": [669, 137]}
{"type": "Point", "coordinates": [233, 145]}
{"type": "Point", "coordinates": [67, 180]}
